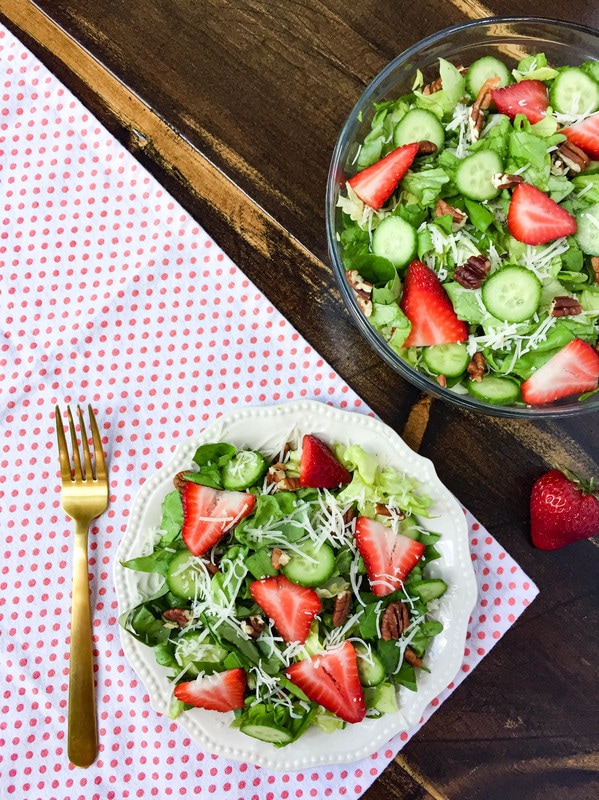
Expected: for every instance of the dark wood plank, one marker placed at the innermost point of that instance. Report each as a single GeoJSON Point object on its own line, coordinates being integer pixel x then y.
{"type": "Point", "coordinates": [262, 88]}
{"type": "Point", "coordinates": [235, 107]}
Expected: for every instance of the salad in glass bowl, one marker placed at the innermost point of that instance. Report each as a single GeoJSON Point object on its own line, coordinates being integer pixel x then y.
{"type": "Point", "coordinates": [293, 586]}
{"type": "Point", "coordinates": [465, 226]}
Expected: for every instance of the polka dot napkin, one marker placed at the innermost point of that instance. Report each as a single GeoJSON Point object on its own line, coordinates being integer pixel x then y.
{"type": "Point", "coordinates": [111, 294]}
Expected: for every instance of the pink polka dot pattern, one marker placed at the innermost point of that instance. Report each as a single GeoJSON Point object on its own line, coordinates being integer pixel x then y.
{"type": "Point", "coordinates": [111, 294]}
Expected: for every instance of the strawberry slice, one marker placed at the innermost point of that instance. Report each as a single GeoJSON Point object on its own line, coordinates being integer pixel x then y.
{"type": "Point", "coordinates": [221, 691]}
{"type": "Point", "coordinates": [585, 134]}
{"type": "Point", "coordinates": [527, 97]}
{"type": "Point", "coordinates": [389, 557]}
{"type": "Point", "coordinates": [209, 513]}
{"type": "Point", "coordinates": [375, 184]}
{"type": "Point", "coordinates": [291, 607]}
{"type": "Point", "coordinates": [426, 304]}
{"type": "Point", "coordinates": [534, 218]}
{"type": "Point", "coordinates": [332, 681]}
{"type": "Point", "coordinates": [319, 469]}
{"type": "Point", "coordinates": [571, 371]}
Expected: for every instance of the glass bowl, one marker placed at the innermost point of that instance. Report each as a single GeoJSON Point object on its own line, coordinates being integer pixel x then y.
{"type": "Point", "coordinates": [510, 39]}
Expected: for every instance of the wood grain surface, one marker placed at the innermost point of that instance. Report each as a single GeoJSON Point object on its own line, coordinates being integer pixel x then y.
{"type": "Point", "coordinates": [235, 107]}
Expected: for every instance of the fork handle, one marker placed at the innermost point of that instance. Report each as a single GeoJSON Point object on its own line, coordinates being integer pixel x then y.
{"type": "Point", "coordinates": [82, 730]}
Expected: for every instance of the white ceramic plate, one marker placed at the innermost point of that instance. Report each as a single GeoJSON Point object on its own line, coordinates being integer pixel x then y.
{"type": "Point", "coordinates": [267, 428]}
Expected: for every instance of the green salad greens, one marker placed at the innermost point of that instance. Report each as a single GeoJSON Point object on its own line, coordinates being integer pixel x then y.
{"type": "Point", "coordinates": [467, 208]}
{"type": "Point", "coordinates": [204, 621]}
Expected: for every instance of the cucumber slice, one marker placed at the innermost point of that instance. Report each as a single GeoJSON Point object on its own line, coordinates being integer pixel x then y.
{"type": "Point", "coordinates": [429, 589]}
{"type": "Point", "coordinates": [371, 669]}
{"type": "Point", "coordinates": [483, 69]}
{"type": "Point", "coordinates": [450, 360]}
{"type": "Point", "coordinates": [383, 698]}
{"type": "Point", "coordinates": [587, 234]}
{"type": "Point", "coordinates": [474, 175]}
{"type": "Point", "coordinates": [396, 240]}
{"type": "Point", "coordinates": [267, 733]}
{"type": "Point", "coordinates": [245, 469]}
{"type": "Point", "coordinates": [495, 390]}
{"type": "Point", "coordinates": [574, 92]}
{"type": "Point", "coordinates": [512, 294]}
{"type": "Point", "coordinates": [193, 650]}
{"type": "Point", "coordinates": [419, 125]}
{"type": "Point", "coordinates": [313, 566]}
{"type": "Point", "coordinates": [182, 576]}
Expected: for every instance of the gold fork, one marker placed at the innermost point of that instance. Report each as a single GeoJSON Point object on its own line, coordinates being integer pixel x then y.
{"type": "Point", "coordinates": [84, 497]}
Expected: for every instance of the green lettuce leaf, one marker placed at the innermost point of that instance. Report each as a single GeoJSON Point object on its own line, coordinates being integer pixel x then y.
{"type": "Point", "coordinates": [443, 102]}
{"type": "Point", "coordinates": [424, 187]}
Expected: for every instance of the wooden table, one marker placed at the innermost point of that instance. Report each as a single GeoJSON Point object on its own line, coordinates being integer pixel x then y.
{"type": "Point", "coordinates": [235, 107]}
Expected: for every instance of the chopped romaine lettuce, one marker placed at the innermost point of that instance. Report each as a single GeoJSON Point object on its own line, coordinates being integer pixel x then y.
{"type": "Point", "coordinates": [219, 626]}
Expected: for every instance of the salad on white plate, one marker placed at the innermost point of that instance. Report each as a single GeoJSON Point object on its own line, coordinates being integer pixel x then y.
{"type": "Point", "coordinates": [296, 585]}
{"type": "Point", "coordinates": [471, 229]}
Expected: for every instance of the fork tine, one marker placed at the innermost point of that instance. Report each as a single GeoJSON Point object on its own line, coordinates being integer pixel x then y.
{"type": "Point", "coordinates": [79, 474]}
{"type": "Point", "coordinates": [63, 451]}
{"type": "Point", "coordinates": [98, 449]}
{"type": "Point", "coordinates": [87, 459]}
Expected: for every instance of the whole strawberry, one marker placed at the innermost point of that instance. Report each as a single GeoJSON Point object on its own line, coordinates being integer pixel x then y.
{"type": "Point", "coordinates": [563, 509]}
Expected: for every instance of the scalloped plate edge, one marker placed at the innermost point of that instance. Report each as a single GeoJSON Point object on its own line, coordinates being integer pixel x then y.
{"type": "Point", "coordinates": [272, 424]}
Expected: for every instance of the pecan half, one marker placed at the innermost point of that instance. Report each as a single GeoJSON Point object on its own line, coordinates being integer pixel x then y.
{"type": "Point", "coordinates": [411, 657]}
{"type": "Point", "coordinates": [476, 367]}
{"type": "Point", "coordinates": [179, 481]}
{"type": "Point", "coordinates": [277, 475]}
{"type": "Point", "coordinates": [341, 609]}
{"type": "Point", "coordinates": [253, 626]}
{"type": "Point", "coordinates": [571, 157]}
{"type": "Point", "coordinates": [471, 274]}
{"type": "Point", "coordinates": [458, 217]}
{"type": "Point", "coordinates": [178, 617]}
{"type": "Point", "coordinates": [349, 515]}
{"type": "Point", "coordinates": [480, 105]}
{"type": "Point", "coordinates": [384, 511]}
{"type": "Point", "coordinates": [565, 307]}
{"type": "Point", "coordinates": [211, 567]}
{"type": "Point", "coordinates": [426, 148]}
{"type": "Point", "coordinates": [437, 84]}
{"type": "Point", "coordinates": [503, 180]}
{"type": "Point", "coordinates": [278, 558]}
{"type": "Point", "coordinates": [362, 290]}
{"type": "Point", "coordinates": [595, 266]}
{"type": "Point", "coordinates": [395, 620]}
{"type": "Point", "coordinates": [433, 86]}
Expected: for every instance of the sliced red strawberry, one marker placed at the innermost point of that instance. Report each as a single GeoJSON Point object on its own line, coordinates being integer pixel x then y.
{"type": "Point", "coordinates": [426, 304]}
{"type": "Point", "coordinates": [319, 469]}
{"type": "Point", "coordinates": [389, 557]}
{"type": "Point", "coordinates": [221, 691]}
{"type": "Point", "coordinates": [585, 134]}
{"type": "Point", "coordinates": [291, 607]}
{"type": "Point", "coordinates": [534, 218]}
{"type": "Point", "coordinates": [571, 371]}
{"type": "Point", "coordinates": [375, 184]}
{"type": "Point", "coordinates": [332, 681]}
{"type": "Point", "coordinates": [209, 513]}
{"type": "Point", "coordinates": [527, 97]}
